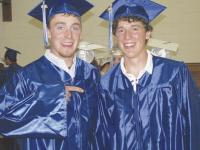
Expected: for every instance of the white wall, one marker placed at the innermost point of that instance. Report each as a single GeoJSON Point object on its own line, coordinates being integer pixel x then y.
{"type": "Point", "coordinates": [178, 23]}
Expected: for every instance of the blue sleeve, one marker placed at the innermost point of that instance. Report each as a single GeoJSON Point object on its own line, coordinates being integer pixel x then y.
{"type": "Point", "coordinates": [32, 109]}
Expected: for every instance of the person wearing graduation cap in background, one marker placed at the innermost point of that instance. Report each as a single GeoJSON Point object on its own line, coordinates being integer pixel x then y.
{"type": "Point", "coordinates": [150, 103]}
{"type": "Point", "coordinates": [6, 73]}
{"type": "Point", "coordinates": [2, 67]}
{"type": "Point", "coordinates": [10, 59]}
{"type": "Point", "coordinates": [51, 104]}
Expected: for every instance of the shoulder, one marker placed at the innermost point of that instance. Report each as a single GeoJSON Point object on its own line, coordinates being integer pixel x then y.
{"type": "Point", "coordinates": [111, 75]}
{"type": "Point", "coordinates": [168, 69]}
{"type": "Point", "coordinates": [32, 67]}
{"type": "Point", "coordinates": [36, 62]}
{"type": "Point", "coordinates": [167, 64]}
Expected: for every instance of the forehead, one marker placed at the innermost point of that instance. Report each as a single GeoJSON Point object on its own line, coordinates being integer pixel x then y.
{"type": "Point", "coordinates": [64, 17]}
{"type": "Point", "coordinates": [122, 22]}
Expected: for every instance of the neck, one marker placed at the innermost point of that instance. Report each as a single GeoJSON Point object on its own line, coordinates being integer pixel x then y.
{"type": "Point", "coordinates": [69, 62]}
{"type": "Point", "coordinates": [135, 65]}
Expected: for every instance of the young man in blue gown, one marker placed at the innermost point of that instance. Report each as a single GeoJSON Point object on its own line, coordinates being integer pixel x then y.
{"type": "Point", "coordinates": [10, 59]}
{"type": "Point", "coordinates": [150, 103]}
{"type": "Point", "coordinates": [52, 103]}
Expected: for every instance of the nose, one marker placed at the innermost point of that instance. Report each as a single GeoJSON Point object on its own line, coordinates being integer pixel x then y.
{"type": "Point", "coordinates": [127, 35]}
{"type": "Point", "coordinates": [68, 33]}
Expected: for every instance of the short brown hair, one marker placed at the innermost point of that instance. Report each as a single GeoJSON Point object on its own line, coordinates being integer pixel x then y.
{"type": "Point", "coordinates": [146, 24]}
{"type": "Point", "coordinates": [49, 20]}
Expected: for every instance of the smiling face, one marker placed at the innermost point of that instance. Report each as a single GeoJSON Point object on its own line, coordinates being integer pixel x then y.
{"type": "Point", "coordinates": [131, 37]}
{"type": "Point", "coordinates": [64, 33]}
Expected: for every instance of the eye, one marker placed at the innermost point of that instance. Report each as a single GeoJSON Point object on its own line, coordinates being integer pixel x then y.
{"type": "Point", "coordinates": [120, 30]}
{"type": "Point", "coordinates": [60, 27]}
{"type": "Point", "coordinates": [135, 28]}
{"type": "Point", "coordinates": [76, 28]}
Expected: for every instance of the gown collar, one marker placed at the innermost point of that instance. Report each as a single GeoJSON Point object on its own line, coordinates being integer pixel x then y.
{"type": "Point", "coordinates": [147, 69]}
{"type": "Point", "coordinates": [61, 63]}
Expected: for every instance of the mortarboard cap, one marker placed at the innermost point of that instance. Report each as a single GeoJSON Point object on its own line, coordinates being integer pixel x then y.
{"type": "Point", "coordinates": [117, 52]}
{"type": "Point", "coordinates": [48, 8]}
{"type": "Point", "coordinates": [145, 9]}
{"type": "Point", "coordinates": [156, 43]}
{"type": "Point", "coordinates": [87, 50]}
{"type": "Point", "coordinates": [89, 46]}
{"type": "Point", "coordinates": [11, 54]}
{"type": "Point", "coordinates": [52, 7]}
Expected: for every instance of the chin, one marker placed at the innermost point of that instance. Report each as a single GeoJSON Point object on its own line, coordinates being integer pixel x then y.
{"type": "Point", "coordinates": [68, 55]}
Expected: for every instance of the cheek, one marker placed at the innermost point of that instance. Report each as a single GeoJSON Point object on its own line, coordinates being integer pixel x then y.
{"type": "Point", "coordinates": [77, 36]}
{"type": "Point", "coordinates": [55, 34]}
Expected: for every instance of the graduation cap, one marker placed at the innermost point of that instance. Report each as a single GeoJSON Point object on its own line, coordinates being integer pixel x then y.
{"type": "Point", "coordinates": [117, 52]}
{"type": "Point", "coordinates": [145, 9]}
{"type": "Point", "coordinates": [167, 45]}
{"type": "Point", "coordinates": [52, 7]}
{"type": "Point", "coordinates": [88, 51]}
{"type": "Point", "coordinates": [11, 54]}
{"type": "Point", "coordinates": [89, 46]}
{"type": "Point", "coordinates": [48, 8]}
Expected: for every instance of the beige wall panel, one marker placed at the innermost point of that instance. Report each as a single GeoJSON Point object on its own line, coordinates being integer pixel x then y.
{"type": "Point", "coordinates": [179, 23]}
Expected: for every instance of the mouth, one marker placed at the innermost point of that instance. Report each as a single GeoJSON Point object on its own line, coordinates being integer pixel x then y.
{"type": "Point", "coordinates": [67, 44]}
{"type": "Point", "coordinates": [129, 45]}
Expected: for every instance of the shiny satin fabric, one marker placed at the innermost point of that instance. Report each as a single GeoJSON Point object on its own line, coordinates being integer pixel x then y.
{"type": "Point", "coordinates": [9, 71]}
{"type": "Point", "coordinates": [34, 109]}
{"type": "Point", "coordinates": [163, 114]}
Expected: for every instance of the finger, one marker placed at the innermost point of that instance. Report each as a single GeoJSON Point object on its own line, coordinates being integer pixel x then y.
{"type": "Point", "coordinates": [67, 96]}
{"type": "Point", "coordinates": [74, 89]}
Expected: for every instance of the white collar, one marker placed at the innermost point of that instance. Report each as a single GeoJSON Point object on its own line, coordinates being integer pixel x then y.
{"type": "Point", "coordinates": [148, 68]}
{"type": "Point", "coordinates": [60, 62]}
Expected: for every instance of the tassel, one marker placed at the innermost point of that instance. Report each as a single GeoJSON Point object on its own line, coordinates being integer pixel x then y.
{"type": "Point", "coordinates": [45, 34]}
{"type": "Point", "coordinates": [110, 40]}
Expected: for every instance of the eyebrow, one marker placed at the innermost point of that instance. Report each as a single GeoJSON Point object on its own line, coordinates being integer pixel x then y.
{"type": "Point", "coordinates": [63, 23]}
{"type": "Point", "coordinates": [134, 25]}
{"type": "Point", "coordinates": [60, 22]}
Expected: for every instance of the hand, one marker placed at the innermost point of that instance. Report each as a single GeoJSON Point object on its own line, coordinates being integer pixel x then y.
{"type": "Point", "coordinates": [70, 89]}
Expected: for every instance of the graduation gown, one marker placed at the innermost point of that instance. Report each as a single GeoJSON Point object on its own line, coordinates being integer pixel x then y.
{"type": "Point", "coordinates": [163, 113]}
{"type": "Point", "coordinates": [5, 75]}
{"type": "Point", "coordinates": [34, 109]}
{"type": "Point", "coordinates": [9, 71]}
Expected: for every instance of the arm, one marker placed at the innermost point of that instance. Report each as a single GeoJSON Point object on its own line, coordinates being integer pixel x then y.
{"type": "Point", "coordinates": [191, 102]}
{"type": "Point", "coordinates": [105, 110]}
{"type": "Point", "coordinates": [33, 110]}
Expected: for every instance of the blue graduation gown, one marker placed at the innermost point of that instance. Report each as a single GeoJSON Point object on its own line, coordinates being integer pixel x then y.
{"type": "Point", "coordinates": [33, 107]}
{"type": "Point", "coordinates": [163, 114]}
{"type": "Point", "coordinates": [5, 75]}
{"type": "Point", "coordinates": [9, 71]}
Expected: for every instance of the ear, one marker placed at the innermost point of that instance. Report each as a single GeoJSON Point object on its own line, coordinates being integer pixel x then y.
{"type": "Point", "coordinates": [49, 34]}
{"type": "Point", "coordinates": [148, 35]}
{"type": "Point", "coordinates": [81, 37]}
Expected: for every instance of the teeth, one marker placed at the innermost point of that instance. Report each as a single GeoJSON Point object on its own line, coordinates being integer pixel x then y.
{"type": "Point", "coordinates": [129, 44]}
{"type": "Point", "coordinates": [67, 43]}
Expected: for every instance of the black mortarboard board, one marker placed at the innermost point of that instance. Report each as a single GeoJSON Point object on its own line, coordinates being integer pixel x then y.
{"type": "Point", "coordinates": [11, 54]}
